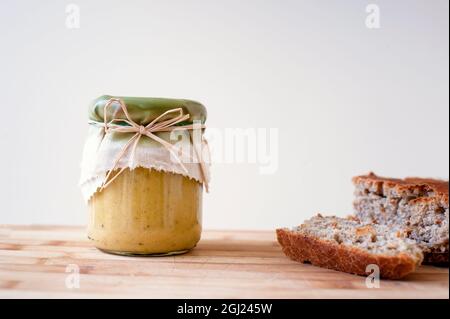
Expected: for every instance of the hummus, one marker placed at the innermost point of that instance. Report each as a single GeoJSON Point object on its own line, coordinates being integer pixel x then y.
{"type": "Point", "coordinates": [146, 212]}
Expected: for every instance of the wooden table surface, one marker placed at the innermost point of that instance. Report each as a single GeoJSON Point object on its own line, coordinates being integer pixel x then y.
{"type": "Point", "coordinates": [37, 262]}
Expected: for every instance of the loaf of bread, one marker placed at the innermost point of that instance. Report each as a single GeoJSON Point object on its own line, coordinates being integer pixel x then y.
{"type": "Point", "coordinates": [417, 206]}
{"type": "Point", "coordinates": [347, 245]}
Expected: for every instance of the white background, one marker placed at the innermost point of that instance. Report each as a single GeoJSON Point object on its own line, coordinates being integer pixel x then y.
{"type": "Point", "coordinates": [346, 99]}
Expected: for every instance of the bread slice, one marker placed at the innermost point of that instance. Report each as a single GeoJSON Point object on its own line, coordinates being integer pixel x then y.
{"type": "Point", "coordinates": [347, 245]}
{"type": "Point", "coordinates": [418, 206]}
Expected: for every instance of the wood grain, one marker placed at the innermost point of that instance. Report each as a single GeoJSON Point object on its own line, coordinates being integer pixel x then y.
{"type": "Point", "coordinates": [225, 264]}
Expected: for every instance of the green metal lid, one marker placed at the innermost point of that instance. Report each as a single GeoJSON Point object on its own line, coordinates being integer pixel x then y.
{"type": "Point", "coordinates": [143, 110]}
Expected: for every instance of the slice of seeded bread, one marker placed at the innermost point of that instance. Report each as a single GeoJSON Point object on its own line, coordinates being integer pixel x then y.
{"type": "Point", "coordinates": [416, 205]}
{"type": "Point", "coordinates": [347, 245]}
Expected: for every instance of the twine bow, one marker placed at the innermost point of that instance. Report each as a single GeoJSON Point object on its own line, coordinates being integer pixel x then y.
{"type": "Point", "coordinates": [157, 125]}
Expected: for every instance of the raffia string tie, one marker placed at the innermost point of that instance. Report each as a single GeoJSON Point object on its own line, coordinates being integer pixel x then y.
{"type": "Point", "coordinates": [157, 125]}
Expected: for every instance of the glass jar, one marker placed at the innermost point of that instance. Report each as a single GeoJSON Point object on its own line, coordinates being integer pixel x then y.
{"type": "Point", "coordinates": [145, 211]}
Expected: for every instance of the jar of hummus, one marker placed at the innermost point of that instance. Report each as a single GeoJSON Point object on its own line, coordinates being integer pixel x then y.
{"type": "Point", "coordinates": [143, 175]}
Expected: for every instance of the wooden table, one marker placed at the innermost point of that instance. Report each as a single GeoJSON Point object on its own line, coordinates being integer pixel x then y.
{"type": "Point", "coordinates": [225, 264]}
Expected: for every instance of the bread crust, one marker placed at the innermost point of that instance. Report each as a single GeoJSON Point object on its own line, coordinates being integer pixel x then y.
{"type": "Point", "coordinates": [327, 254]}
{"type": "Point", "coordinates": [439, 188]}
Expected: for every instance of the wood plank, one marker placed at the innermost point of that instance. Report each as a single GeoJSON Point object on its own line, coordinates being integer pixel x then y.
{"type": "Point", "coordinates": [226, 264]}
